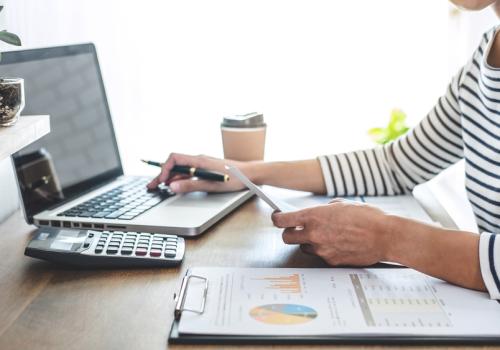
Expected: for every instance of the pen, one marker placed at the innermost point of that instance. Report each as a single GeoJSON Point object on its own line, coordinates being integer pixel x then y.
{"type": "Point", "coordinates": [192, 171]}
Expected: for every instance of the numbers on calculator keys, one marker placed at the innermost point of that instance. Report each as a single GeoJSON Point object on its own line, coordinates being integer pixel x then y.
{"type": "Point", "coordinates": [137, 244]}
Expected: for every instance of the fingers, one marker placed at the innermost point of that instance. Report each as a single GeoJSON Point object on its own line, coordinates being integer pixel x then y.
{"type": "Point", "coordinates": [177, 159]}
{"type": "Point", "coordinates": [176, 177]}
{"type": "Point", "coordinates": [308, 249]}
{"type": "Point", "coordinates": [173, 159]}
{"type": "Point", "coordinates": [154, 183]}
{"type": "Point", "coordinates": [290, 219]}
{"type": "Point", "coordinates": [293, 235]}
{"type": "Point", "coordinates": [192, 185]}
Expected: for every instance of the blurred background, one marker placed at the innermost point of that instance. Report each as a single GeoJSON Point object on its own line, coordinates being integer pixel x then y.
{"type": "Point", "coordinates": [323, 72]}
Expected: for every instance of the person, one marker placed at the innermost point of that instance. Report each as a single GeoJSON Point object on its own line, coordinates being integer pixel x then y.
{"type": "Point", "coordinates": [465, 123]}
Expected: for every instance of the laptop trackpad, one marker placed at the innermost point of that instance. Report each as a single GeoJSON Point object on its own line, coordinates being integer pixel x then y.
{"type": "Point", "coordinates": [203, 200]}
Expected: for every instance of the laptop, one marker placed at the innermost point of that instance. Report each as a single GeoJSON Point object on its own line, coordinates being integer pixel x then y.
{"type": "Point", "coordinates": [73, 177]}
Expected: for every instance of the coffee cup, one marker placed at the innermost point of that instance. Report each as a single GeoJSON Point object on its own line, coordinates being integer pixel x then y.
{"type": "Point", "coordinates": [244, 137]}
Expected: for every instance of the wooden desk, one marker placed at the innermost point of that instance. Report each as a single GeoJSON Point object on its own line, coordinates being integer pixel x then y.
{"type": "Point", "coordinates": [43, 306]}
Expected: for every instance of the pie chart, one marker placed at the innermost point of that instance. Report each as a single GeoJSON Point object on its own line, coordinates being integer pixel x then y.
{"type": "Point", "coordinates": [283, 314]}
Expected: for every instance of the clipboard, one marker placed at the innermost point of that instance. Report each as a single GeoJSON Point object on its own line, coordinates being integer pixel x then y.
{"type": "Point", "coordinates": [201, 339]}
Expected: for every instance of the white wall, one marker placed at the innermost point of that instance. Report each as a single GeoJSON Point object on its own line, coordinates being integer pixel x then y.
{"type": "Point", "coordinates": [322, 71]}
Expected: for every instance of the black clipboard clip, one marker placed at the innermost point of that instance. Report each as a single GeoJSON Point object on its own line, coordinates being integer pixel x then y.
{"type": "Point", "coordinates": [181, 298]}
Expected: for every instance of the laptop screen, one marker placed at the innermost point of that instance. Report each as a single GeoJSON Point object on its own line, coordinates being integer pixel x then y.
{"type": "Point", "coordinates": [80, 152]}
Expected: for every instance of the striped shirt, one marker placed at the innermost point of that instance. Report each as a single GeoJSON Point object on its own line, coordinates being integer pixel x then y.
{"type": "Point", "coordinates": [464, 124]}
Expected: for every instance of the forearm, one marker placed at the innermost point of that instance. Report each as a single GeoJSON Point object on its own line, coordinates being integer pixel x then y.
{"type": "Point", "coordinates": [302, 175]}
{"type": "Point", "coordinates": [446, 254]}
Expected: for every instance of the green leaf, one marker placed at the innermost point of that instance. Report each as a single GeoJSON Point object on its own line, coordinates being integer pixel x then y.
{"type": "Point", "coordinates": [395, 128]}
{"type": "Point", "coordinates": [10, 38]}
{"type": "Point", "coordinates": [378, 135]}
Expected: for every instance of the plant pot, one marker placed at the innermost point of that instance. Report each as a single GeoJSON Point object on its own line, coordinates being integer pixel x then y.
{"type": "Point", "coordinates": [11, 100]}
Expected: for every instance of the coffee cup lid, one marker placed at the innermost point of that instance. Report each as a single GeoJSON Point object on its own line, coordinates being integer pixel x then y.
{"type": "Point", "coordinates": [249, 120]}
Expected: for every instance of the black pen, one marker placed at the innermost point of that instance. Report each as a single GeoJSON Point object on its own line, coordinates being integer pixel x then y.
{"type": "Point", "coordinates": [192, 171]}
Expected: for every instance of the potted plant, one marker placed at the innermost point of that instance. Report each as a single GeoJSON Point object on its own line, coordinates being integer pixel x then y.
{"type": "Point", "coordinates": [11, 89]}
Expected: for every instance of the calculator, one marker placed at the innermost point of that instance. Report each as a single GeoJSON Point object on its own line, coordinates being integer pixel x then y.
{"type": "Point", "coordinates": [106, 248]}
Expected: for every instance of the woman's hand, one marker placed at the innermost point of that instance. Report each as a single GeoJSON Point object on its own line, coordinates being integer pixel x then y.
{"type": "Point", "coordinates": [342, 232]}
{"type": "Point", "coordinates": [181, 183]}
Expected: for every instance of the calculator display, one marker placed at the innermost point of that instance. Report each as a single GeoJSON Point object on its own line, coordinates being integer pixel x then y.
{"type": "Point", "coordinates": [65, 240]}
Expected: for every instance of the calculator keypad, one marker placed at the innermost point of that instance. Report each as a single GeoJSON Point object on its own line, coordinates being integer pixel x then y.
{"type": "Point", "coordinates": [139, 244]}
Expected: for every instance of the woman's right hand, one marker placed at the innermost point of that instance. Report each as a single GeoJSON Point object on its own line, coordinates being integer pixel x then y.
{"type": "Point", "coordinates": [181, 183]}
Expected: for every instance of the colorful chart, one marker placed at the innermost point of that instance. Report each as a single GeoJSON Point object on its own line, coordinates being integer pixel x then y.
{"type": "Point", "coordinates": [283, 314]}
{"type": "Point", "coordinates": [285, 284]}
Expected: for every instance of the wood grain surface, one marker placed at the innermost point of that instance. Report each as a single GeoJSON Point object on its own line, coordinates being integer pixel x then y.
{"type": "Point", "coordinates": [46, 306]}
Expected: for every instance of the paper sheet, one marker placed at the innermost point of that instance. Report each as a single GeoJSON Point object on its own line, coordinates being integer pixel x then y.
{"type": "Point", "coordinates": [273, 202]}
{"type": "Point", "coordinates": [266, 301]}
{"type": "Point", "coordinates": [405, 206]}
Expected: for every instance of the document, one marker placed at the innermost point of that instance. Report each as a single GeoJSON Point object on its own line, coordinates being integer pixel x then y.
{"type": "Point", "coordinates": [335, 301]}
{"type": "Point", "coordinates": [273, 202]}
{"type": "Point", "coordinates": [405, 206]}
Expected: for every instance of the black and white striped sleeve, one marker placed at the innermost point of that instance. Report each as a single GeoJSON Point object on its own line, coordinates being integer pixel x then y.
{"type": "Point", "coordinates": [396, 168]}
{"type": "Point", "coordinates": [489, 262]}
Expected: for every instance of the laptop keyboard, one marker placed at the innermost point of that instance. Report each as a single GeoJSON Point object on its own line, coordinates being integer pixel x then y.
{"type": "Point", "coordinates": [124, 202]}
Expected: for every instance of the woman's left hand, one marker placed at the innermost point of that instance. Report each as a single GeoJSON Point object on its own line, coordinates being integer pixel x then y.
{"type": "Point", "coordinates": [341, 232]}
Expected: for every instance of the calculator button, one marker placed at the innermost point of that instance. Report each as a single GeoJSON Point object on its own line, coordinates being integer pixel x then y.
{"type": "Point", "coordinates": [112, 250]}
{"type": "Point", "coordinates": [157, 246]}
{"type": "Point", "coordinates": [172, 240]}
{"type": "Point", "coordinates": [141, 251]}
{"type": "Point", "coordinates": [126, 251]}
{"type": "Point", "coordinates": [98, 249]}
{"type": "Point", "coordinates": [170, 246]}
{"type": "Point", "coordinates": [155, 252]}
{"type": "Point", "coordinates": [91, 235]}
{"type": "Point", "coordinates": [169, 253]}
